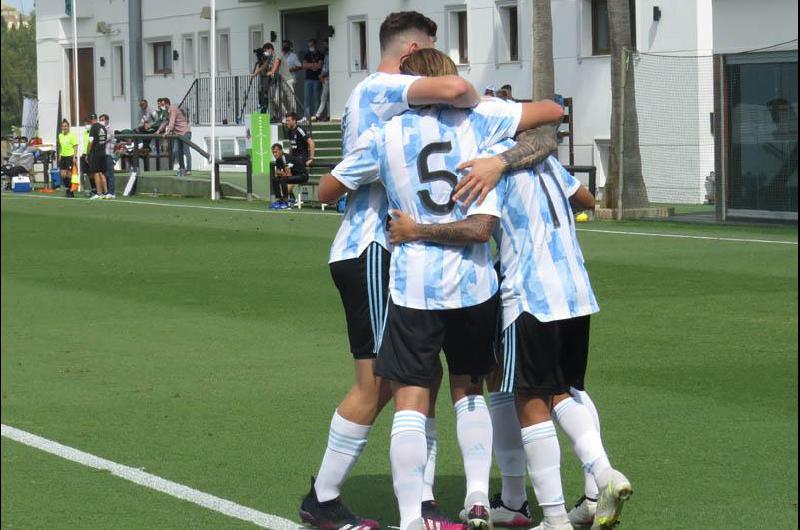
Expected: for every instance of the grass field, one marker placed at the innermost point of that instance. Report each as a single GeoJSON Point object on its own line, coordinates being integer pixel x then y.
{"type": "Point", "coordinates": [207, 346]}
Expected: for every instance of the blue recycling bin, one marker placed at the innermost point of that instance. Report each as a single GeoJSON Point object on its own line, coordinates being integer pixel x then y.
{"type": "Point", "coordinates": [55, 177]}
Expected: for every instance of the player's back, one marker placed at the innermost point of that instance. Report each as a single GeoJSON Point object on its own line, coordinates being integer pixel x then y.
{"type": "Point", "coordinates": [541, 261]}
{"type": "Point", "coordinates": [419, 152]}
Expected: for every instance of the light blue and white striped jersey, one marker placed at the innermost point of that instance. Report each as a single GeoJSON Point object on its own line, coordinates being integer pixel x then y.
{"type": "Point", "coordinates": [540, 259]}
{"type": "Point", "coordinates": [415, 155]}
{"type": "Point", "coordinates": [374, 100]}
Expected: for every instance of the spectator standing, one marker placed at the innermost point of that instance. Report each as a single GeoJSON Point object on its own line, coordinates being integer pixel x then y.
{"type": "Point", "coordinates": [67, 146]}
{"type": "Point", "coordinates": [266, 72]}
{"type": "Point", "coordinates": [312, 64]}
{"type": "Point", "coordinates": [178, 125]}
{"type": "Point", "coordinates": [324, 77]}
{"type": "Point", "coordinates": [289, 171]}
{"type": "Point", "coordinates": [293, 64]}
{"type": "Point", "coordinates": [111, 144]}
{"type": "Point", "coordinates": [97, 156]}
{"type": "Point", "coordinates": [510, 95]}
{"type": "Point", "coordinates": [84, 166]}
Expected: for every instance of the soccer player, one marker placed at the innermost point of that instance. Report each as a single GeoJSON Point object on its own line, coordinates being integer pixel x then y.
{"type": "Point", "coordinates": [359, 263]}
{"type": "Point", "coordinates": [443, 295]}
{"type": "Point", "coordinates": [288, 171]}
{"type": "Point", "coordinates": [547, 300]}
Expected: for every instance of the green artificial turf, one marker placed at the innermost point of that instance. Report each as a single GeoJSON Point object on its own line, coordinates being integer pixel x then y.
{"type": "Point", "coordinates": [208, 347]}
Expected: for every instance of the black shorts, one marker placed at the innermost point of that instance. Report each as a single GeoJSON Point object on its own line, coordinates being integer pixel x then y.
{"type": "Point", "coordinates": [65, 163]}
{"type": "Point", "coordinates": [363, 284]}
{"type": "Point", "coordinates": [545, 358]}
{"type": "Point", "coordinates": [97, 162]}
{"type": "Point", "coordinates": [413, 338]}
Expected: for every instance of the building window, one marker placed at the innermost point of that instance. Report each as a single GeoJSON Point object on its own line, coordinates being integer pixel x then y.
{"type": "Point", "coordinates": [162, 57]}
{"type": "Point", "coordinates": [256, 41]}
{"type": "Point", "coordinates": [188, 55]}
{"type": "Point", "coordinates": [204, 54]}
{"type": "Point", "coordinates": [118, 74]}
{"type": "Point", "coordinates": [358, 45]}
{"type": "Point", "coordinates": [458, 40]}
{"type": "Point", "coordinates": [601, 29]}
{"type": "Point", "coordinates": [223, 53]}
{"type": "Point", "coordinates": [509, 33]}
{"type": "Point", "coordinates": [601, 32]}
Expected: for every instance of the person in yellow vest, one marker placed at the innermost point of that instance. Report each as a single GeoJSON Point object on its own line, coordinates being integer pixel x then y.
{"type": "Point", "coordinates": [67, 144]}
{"type": "Point", "coordinates": [85, 158]}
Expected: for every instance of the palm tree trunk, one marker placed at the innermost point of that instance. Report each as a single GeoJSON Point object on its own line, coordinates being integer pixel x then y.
{"type": "Point", "coordinates": [543, 76]}
{"type": "Point", "coordinates": [634, 193]}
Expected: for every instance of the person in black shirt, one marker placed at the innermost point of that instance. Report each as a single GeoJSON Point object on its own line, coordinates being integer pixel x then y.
{"type": "Point", "coordinates": [289, 171]}
{"type": "Point", "coordinates": [302, 143]}
{"type": "Point", "coordinates": [312, 90]}
{"type": "Point", "coordinates": [97, 156]}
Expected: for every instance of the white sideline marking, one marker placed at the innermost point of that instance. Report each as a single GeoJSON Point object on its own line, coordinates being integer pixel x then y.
{"type": "Point", "coordinates": [305, 212]}
{"type": "Point", "coordinates": [226, 507]}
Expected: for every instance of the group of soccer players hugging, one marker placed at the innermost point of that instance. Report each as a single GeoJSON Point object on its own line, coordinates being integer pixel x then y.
{"type": "Point", "coordinates": [433, 173]}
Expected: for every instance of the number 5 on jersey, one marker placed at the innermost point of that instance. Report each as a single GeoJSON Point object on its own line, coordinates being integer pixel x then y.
{"type": "Point", "coordinates": [426, 175]}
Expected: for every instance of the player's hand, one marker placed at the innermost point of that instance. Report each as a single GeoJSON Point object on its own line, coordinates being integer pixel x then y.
{"type": "Point", "coordinates": [484, 175]}
{"type": "Point", "coordinates": [402, 228]}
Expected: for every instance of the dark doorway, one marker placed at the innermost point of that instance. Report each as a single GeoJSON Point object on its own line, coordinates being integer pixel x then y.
{"type": "Point", "coordinates": [86, 84]}
{"type": "Point", "coordinates": [299, 25]}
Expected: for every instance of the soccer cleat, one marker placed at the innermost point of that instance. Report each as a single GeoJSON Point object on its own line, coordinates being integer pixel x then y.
{"type": "Point", "coordinates": [612, 497]}
{"type": "Point", "coordinates": [503, 515]}
{"type": "Point", "coordinates": [433, 518]}
{"type": "Point", "coordinates": [278, 205]}
{"type": "Point", "coordinates": [95, 196]}
{"type": "Point", "coordinates": [582, 515]}
{"type": "Point", "coordinates": [332, 514]}
{"type": "Point", "coordinates": [478, 516]}
{"type": "Point", "coordinates": [110, 196]}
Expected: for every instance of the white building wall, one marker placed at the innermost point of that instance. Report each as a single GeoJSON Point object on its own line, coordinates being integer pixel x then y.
{"type": "Point", "coordinates": [742, 25]}
{"type": "Point", "coordinates": [684, 29]}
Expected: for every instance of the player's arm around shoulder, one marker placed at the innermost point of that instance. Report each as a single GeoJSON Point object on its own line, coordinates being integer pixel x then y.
{"type": "Point", "coordinates": [361, 166]}
{"type": "Point", "coordinates": [446, 90]}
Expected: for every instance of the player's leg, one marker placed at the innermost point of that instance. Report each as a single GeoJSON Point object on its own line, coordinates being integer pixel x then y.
{"type": "Point", "coordinates": [582, 514]}
{"type": "Point", "coordinates": [510, 506]}
{"type": "Point", "coordinates": [469, 348]}
{"type": "Point", "coordinates": [409, 350]}
{"type": "Point", "coordinates": [430, 508]}
{"type": "Point", "coordinates": [532, 347]}
{"type": "Point", "coordinates": [577, 422]}
{"type": "Point", "coordinates": [360, 282]}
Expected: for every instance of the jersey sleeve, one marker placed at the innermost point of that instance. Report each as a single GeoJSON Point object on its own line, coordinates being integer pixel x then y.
{"type": "Point", "coordinates": [495, 119]}
{"type": "Point", "coordinates": [388, 94]}
{"type": "Point", "coordinates": [492, 204]}
{"type": "Point", "coordinates": [362, 165]}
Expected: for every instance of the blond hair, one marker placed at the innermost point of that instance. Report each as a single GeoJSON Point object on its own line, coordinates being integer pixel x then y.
{"type": "Point", "coordinates": [428, 62]}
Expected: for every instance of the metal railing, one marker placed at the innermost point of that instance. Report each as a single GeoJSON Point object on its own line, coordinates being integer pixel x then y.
{"type": "Point", "coordinates": [238, 96]}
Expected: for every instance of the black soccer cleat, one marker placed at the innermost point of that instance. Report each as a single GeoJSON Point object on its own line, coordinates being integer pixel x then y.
{"type": "Point", "coordinates": [332, 514]}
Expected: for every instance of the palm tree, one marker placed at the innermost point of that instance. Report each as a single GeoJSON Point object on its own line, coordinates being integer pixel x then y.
{"type": "Point", "coordinates": [634, 193]}
{"type": "Point", "coordinates": [543, 77]}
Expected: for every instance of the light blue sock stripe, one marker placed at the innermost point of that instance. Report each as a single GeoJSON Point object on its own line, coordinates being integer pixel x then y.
{"type": "Point", "coordinates": [562, 407]}
{"type": "Point", "coordinates": [469, 404]}
{"type": "Point", "coordinates": [538, 432]}
{"type": "Point", "coordinates": [344, 444]}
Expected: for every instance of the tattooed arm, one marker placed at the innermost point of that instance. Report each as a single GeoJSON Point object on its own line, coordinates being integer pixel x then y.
{"type": "Point", "coordinates": [533, 146]}
{"type": "Point", "coordinates": [474, 229]}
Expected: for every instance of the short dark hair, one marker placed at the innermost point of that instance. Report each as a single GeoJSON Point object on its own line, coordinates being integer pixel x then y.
{"type": "Point", "coordinates": [166, 100]}
{"type": "Point", "coordinates": [293, 115]}
{"type": "Point", "coordinates": [104, 116]}
{"type": "Point", "coordinates": [65, 121]}
{"type": "Point", "coordinates": [268, 45]}
{"type": "Point", "coordinates": [312, 39]}
{"type": "Point", "coordinates": [402, 21]}
{"type": "Point", "coordinates": [505, 87]}
{"type": "Point", "coordinates": [278, 146]}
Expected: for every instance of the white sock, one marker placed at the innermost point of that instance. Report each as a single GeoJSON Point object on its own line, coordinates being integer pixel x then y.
{"type": "Point", "coordinates": [544, 467]}
{"type": "Point", "coordinates": [346, 441]}
{"type": "Point", "coordinates": [408, 454]}
{"type": "Point", "coordinates": [474, 430]}
{"type": "Point", "coordinates": [590, 490]}
{"type": "Point", "coordinates": [430, 465]}
{"type": "Point", "coordinates": [508, 451]}
{"type": "Point", "coordinates": [576, 421]}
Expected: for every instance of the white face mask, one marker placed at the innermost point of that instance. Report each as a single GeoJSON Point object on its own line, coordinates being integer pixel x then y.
{"type": "Point", "coordinates": [87, 126]}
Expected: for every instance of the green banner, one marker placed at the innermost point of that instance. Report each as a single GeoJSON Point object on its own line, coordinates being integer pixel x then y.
{"type": "Point", "coordinates": [262, 148]}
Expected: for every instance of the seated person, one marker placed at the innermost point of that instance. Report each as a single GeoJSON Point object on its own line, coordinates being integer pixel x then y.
{"type": "Point", "coordinates": [289, 170]}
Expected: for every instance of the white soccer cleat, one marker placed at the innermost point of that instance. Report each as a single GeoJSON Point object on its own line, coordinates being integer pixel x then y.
{"type": "Point", "coordinates": [612, 498]}
{"type": "Point", "coordinates": [95, 197]}
{"type": "Point", "coordinates": [110, 196]}
{"type": "Point", "coordinates": [582, 515]}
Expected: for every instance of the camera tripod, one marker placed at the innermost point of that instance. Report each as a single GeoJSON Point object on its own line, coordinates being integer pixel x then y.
{"type": "Point", "coordinates": [240, 114]}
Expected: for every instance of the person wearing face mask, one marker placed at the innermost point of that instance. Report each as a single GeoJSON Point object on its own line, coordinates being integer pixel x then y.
{"type": "Point", "coordinates": [178, 125]}
{"type": "Point", "coordinates": [312, 89]}
{"type": "Point", "coordinates": [292, 63]}
{"type": "Point", "coordinates": [267, 72]}
{"type": "Point", "coordinates": [111, 143]}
